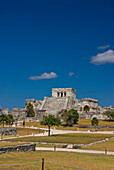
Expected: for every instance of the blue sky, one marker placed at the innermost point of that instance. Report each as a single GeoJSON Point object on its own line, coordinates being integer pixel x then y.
{"type": "Point", "coordinates": [56, 43]}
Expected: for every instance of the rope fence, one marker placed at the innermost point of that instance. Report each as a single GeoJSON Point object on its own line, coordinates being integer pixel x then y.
{"type": "Point", "coordinates": [64, 165]}
{"type": "Point", "coordinates": [20, 164]}
{"type": "Point", "coordinates": [42, 164]}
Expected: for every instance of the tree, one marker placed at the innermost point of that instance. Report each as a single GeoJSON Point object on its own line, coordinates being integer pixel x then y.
{"type": "Point", "coordinates": [50, 120]}
{"type": "Point", "coordinates": [70, 117]}
{"type": "Point", "coordinates": [10, 119]}
{"type": "Point", "coordinates": [3, 119]}
{"type": "Point", "coordinates": [75, 116]}
{"type": "Point", "coordinates": [109, 114]}
{"type": "Point", "coordinates": [94, 121]}
{"type": "Point", "coordinates": [86, 108]}
{"type": "Point", "coordinates": [30, 110]}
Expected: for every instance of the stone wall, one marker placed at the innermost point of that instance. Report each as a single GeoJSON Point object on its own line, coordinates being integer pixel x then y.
{"type": "Point", "coordinates": [5, 111]}
{"type": "Point", "coordinates": [18, 113]}
{"type": "Point", "coordinates": [18, 148]}
{"type": "Point", "coordinates": [8, 131]}
{"type": "Point", "coordinates": [53, 105]}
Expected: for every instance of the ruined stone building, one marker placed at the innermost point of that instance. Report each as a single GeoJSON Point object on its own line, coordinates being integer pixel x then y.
{"type": "Point", "coordinates": [62, 99]}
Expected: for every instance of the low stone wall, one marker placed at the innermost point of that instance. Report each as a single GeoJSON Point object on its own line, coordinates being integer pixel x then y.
{"type": "Point", "coordinates": [105, 140]}
{"type": "Point", "coordinates": [31, 119]}
{"type": "Point", "coordinates": [18, 148]}
{"type": "Point", "coordinates": [92, 127]}
{"type": "Point", "coordinates": [8, 131]}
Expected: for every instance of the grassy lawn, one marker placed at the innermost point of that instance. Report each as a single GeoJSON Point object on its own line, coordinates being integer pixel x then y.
{"type": "Point", "coordinates": [80, 122]}
{"type": "Point", "coordinates": [49, 145]}
{"type": "Point", "coordinates": [3, 144]}
{"type": "Point", "coordinates": [24, 131]}
{"type": "Point", "coordinates": [80, 160]}
{"type": "Point", "coordinates": [109, 145]}
{"type": "Point", "coordinates": [79, 138]}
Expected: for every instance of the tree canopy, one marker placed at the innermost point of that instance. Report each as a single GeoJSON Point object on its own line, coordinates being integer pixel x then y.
{"type": "Point", "coordinates": [6, 119]}
{"type": "Point", "coordinates": [10, 119]}
{"type": "Point", "coordinates": [94, 121]}
{"type": "Point", "coordinates": [70, 117]}
{"type": "Point", "coordinates": [30, 110]}
{"type": "Point", "coordinates": [50, 120]}
{"type": "Point", "coordinates": [109, 114]}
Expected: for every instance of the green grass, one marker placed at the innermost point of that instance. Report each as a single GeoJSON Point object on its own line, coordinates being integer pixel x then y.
{"type": "Point", "coordinates": [4, 144]}
{"type": "Point", "coordinates": [109, 145]}
{"type": "Point", "coordinates": [49, 145]}
{"type": "Point", "coordinates": [80, 160]}
{"type": "Point", "coordinates": [79, 138]}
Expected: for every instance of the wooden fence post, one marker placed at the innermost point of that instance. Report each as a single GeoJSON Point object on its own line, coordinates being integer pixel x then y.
{"type": "Point", "coordinates": [105, 151]}
{"type": "Point", "coordinates": [42, 163]}
{"type": "Point", "coordinates": [54, 148]}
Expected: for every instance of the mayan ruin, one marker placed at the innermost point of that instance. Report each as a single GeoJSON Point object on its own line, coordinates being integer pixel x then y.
{"type": "Point", "coordinates": [62, 99]}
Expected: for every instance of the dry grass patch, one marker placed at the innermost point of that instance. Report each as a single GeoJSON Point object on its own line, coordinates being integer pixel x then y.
{"type": "Point", "coordinates": [80, 160]}
{"type": "Point", "coordinates": [24, 131]}
{"type": "Point", "coordinates": [80, 123]}
{"type": "Point", "coordinates": [27, 131]}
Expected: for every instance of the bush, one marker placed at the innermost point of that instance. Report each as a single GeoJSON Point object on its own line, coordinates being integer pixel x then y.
{"type": "Point", "coordinates": [70, 117]}
{"type": "Point", "coordinates": [94, 121]}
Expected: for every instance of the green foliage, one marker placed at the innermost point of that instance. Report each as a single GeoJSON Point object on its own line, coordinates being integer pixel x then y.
{"type": "Point", "coordinates": [70, 117]}
{"type": "Point", "coordinates": [109, 114]}
{"type": "Point", "coordinates": [86, 108]}
{"type": "Point", "coordinates": [75, 116]}
{"type": "Point", "coordinates": [3, 119]}
{"type": "Point", "coordinates": [10, 119]}
{"type": "Point", "coordinates": [30, 110]}
{"type": "Point", "coordinates": [50, 120]}
{"type": "Point", "coordinates": [94, 121]}
{"type": "Point", "coordinates": [6, 119]}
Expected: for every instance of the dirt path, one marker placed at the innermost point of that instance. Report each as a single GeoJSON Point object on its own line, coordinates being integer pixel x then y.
{"type": "Point", "coordinates": [74, 150]}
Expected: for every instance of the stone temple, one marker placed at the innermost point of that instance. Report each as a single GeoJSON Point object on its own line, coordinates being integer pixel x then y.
{"type": "Point", "coordinates": [62, 99]}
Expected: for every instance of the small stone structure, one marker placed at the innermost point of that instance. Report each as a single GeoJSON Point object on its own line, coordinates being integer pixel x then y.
{"type": "Point", "coordinates": [62, 99]}
{"type": "Point", "coordinates": [5, 111]}
{"type": "Point", "coordinates": [18, 148]}
{"type": "Point", "coordinates": [8, 131]}
{"type": "Point", "coordinates": [63, 92]}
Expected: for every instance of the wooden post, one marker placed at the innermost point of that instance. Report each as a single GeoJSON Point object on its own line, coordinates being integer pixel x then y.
{"type": "Point", "coordinates": [54, 148]}
{"type": "Point", "coordinates": [105, 151]}
{"type": "Point", "coordinates": [42, 163]}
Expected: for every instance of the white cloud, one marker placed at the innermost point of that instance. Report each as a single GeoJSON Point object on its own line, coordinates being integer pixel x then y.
{"type": "Point", "coordinates": [50, 75]}
{"type": "Point", "coordinates": [71, 74]}
{"type": "Point", "coordinates": [103, 47]}
{"type": "Point", "coordinates": [103, 58]}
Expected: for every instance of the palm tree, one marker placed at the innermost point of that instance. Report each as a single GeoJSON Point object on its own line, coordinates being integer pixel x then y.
{"type": "Point", "coordinates": [3, 119]}
{"type": "Point", "coordinates": [30, 110]}
{"type": "Point", "coordinates": [10, 119]}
